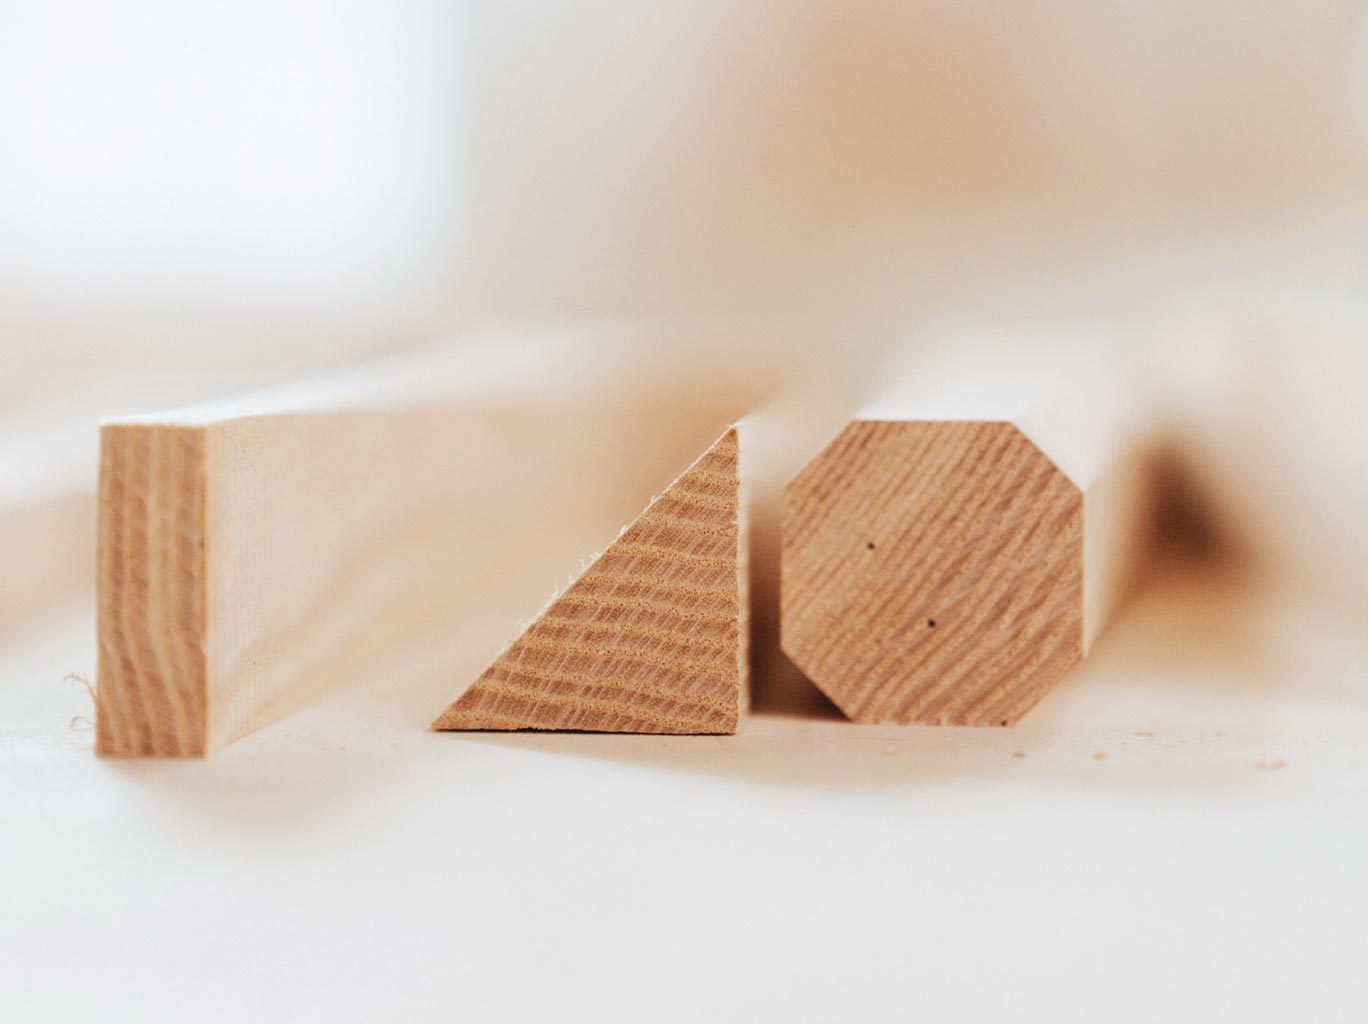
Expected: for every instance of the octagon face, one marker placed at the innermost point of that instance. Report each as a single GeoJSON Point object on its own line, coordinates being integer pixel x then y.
{"type": "Point", "coordinates": [933, 572]}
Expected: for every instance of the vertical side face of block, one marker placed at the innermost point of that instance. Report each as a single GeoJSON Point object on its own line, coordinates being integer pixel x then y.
{"type": "Point", "coordinates": [649, 638]}
{"type": "Point", "coordinates": [152, 688]}
{"type": "Point", "coordinates": [933, 572]}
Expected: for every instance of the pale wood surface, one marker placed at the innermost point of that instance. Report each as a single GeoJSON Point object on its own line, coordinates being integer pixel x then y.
{"type": "Point", "coordinates": [251, 555]}
{"type": "Point", "coordinates": [49, 458]}
{"type": "Point", "coordinates": [651, 637]}
{"type": "Point", "coordinates": [952, 571]}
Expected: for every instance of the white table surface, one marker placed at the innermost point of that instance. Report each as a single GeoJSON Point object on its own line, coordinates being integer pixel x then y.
{"type": "Point", "coordinates": [347, 864]}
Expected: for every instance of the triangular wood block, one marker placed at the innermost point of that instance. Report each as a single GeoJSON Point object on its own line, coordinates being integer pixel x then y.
{"type": "Point", "coordinates": [650, 638]}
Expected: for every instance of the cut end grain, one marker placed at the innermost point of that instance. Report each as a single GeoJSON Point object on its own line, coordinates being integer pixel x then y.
{"type": "Point", "coordinates": [650, 638]}
{"type": "Point", "coordinates": [151, 694]}
{"type": "Point", "coordinates": [933, 572]}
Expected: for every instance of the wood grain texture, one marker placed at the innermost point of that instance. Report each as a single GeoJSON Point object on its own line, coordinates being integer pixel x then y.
{"type": "Point", "coordinates": [933, 572]}
{"type": "Point", "coordinates": [153, 695]}
{"type": "Point", "coordinates": [650, 638]}
{"type": "Point", "coordinates": [391, 521]}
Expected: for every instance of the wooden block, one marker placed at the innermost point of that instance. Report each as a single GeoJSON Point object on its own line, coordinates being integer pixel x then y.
{"type": "Point", "coordinates": [650, 638]}
{"type": "Point", "coordinates": [953, 571]}
{"type": "Point", "coordinates": [254, 551]}
{"type": "Point", "coordinates": [48, 461]}
{"type": "Point", "coordinates": [153, 688]}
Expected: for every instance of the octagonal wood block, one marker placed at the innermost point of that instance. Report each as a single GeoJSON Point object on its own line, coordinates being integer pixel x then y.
{"type": "Point", "coordinates": [933, 572]}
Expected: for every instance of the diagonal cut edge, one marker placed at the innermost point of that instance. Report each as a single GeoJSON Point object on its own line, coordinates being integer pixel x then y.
{"type": "Point", "coordinates": [649, 638]}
